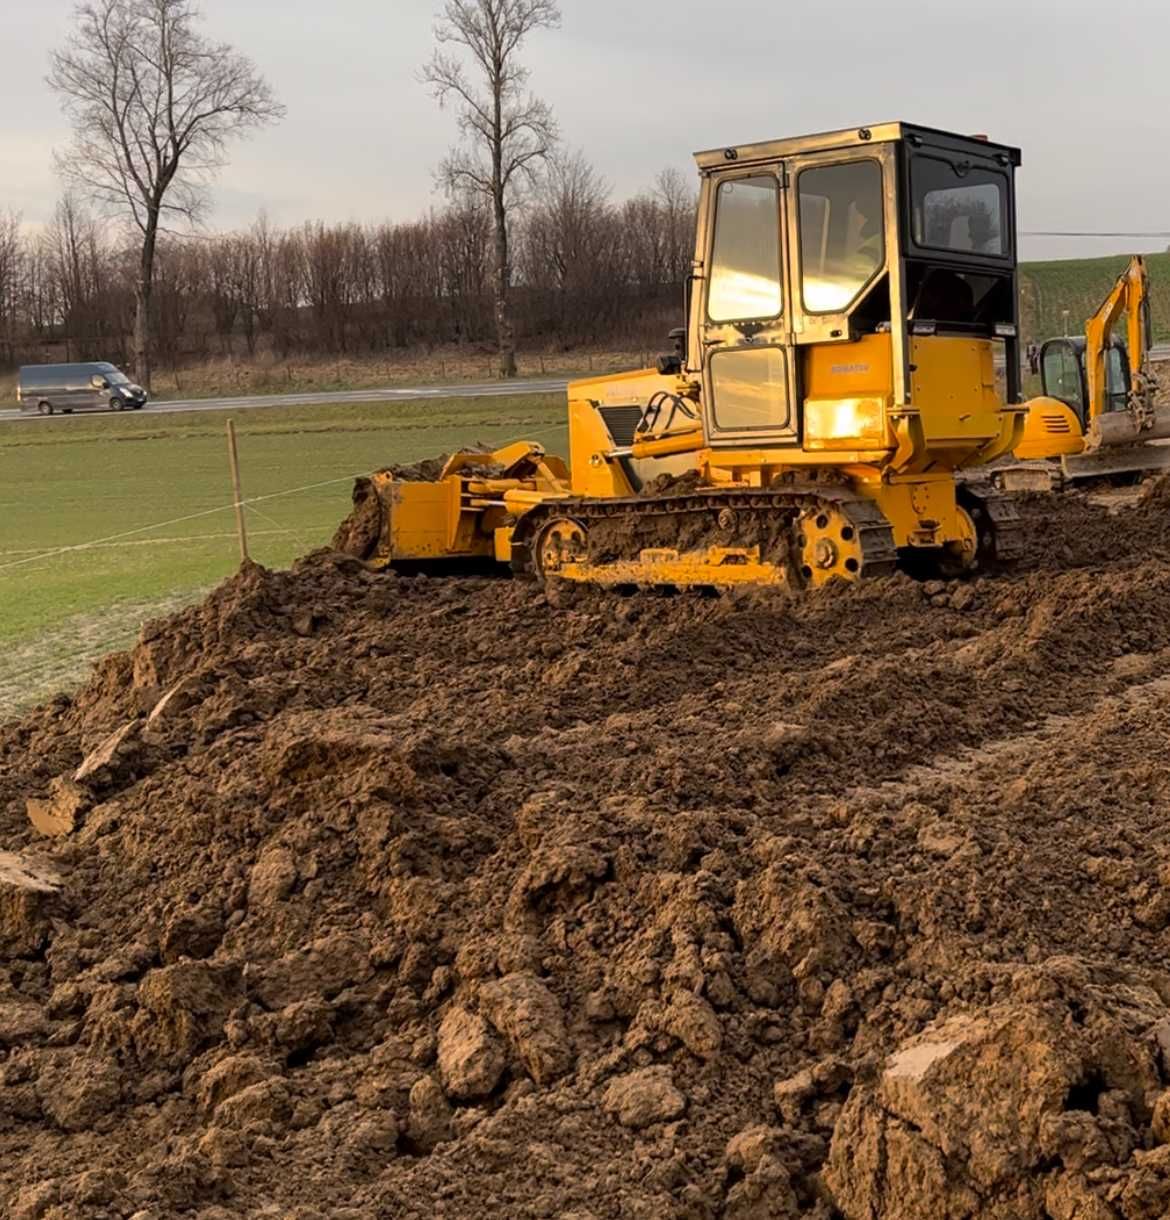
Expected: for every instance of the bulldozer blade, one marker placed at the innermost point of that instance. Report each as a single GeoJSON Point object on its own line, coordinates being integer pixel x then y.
{"type": "Point", "coordinates": [1116, 460]}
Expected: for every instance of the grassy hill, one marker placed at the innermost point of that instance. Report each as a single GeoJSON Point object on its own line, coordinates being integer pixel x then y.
{"type": "Point", "coordinates": [1079, 285]}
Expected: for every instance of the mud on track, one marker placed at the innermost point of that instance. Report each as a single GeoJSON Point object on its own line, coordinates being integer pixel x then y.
{"type": "Point", "coordinates": [427, 898]}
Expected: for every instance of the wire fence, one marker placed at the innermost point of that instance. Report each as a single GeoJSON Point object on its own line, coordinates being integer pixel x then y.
{"type": "Point", "coordinates": [133, 536]}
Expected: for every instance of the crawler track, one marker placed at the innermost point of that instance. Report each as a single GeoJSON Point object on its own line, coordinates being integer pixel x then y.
{"type": "Point", "coordinates": [618, 530]}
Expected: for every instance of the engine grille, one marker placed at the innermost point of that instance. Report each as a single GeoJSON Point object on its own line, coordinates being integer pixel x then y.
{"type": "Point", "coordinates": [622, 423]}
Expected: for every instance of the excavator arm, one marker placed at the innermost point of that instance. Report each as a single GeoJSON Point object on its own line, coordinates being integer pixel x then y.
{"type": "Point", "coordinates": [1129, 294]}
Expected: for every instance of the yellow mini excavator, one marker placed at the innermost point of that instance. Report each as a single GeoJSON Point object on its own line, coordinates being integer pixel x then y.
{"type": "Point", "coordinates": [1097, 415]}
{"type": "Point", "coordinates": [852, 295]}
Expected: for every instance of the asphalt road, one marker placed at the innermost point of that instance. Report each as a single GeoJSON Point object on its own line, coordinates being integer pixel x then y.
{"type": "Point", "coordinates": [484, 389]}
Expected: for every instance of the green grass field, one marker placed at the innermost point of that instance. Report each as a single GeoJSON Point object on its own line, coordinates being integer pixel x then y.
{"type": "Point", "coordinates": [1079, 285]}
{"type": "Point", "coordinates": [107, 519]}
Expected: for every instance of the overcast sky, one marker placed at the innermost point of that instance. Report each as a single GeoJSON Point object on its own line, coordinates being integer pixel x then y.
{"type": "Point", "coordinates": [640, 84]}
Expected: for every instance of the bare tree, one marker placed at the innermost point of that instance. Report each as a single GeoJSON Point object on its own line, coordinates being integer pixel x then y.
{"type": "Point", "coordinates": [507, 132]}
{"type": "Point", "coordinates": [154, 105]}
{"type": "Point", "coordinates": [12, 268]}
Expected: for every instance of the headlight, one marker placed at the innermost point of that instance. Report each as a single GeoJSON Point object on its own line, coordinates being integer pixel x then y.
{"type": "Point", "coordinates": [843, 423]}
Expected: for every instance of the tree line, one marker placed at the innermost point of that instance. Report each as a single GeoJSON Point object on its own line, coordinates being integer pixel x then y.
{"type": "Point", "coordinates": [586, 270]}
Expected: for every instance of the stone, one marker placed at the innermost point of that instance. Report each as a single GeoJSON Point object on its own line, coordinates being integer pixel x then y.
{"type": "Point", "coordinates": [1160, 1122]}
{"type": "Point", "coordinates": [529, 1016]}
{"type": "Point", "coordinates": [376, 1135]}
{"type": "Point", "coordinates": [764, 1194]}
{"type": "Point", "coordinates": [229, 1077]}
{"type": "Point", "coordinates": [303, 1026]}
{"type": "Point", "coordinates": [748, 1147]}
{"type": "Point", "coordinates": [958, 1114]}
{"type": "Point", "coordinates": [325, 968]}
{"type": "Point", "coordinates": [266, 1105]}
{"type": "Point", "coordinates": [99, 766]}
{"type": "Point", "coordinates": [179, 699]}
{"type": "Point", "coordinates": [273, 876]}
{"type": "Point", "coordinates": [183, 1008]}
{"type": "Point", "coordinates": [194, 932]}
{"type": "Point", "coordinates": [62, 810]}
{"type": "Point", "coordinates": [963, 598]}
{"type": "Point", "coordinates": [76, 1090]}
{"type": "Point", "coordinates": [20, 1019]}
{"type": "Point", "coordinates": [693, 1021]}
{"type": "Point", "coordinates": [30, 892]}
{"type": "Point", "coordinates": [790, 1095]}
{"type": "Point", "coordinates": [644, 1097]}
{"type": "Point", "coordinates": [937, 840]}
{"type": "Point", "coordinates": [471, 1058]}
{"type": "Point", "coordinates": [429, 1122]}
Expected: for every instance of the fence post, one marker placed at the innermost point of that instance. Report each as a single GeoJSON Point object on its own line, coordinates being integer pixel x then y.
{"type": "Point", "coordinates": [234, 460]}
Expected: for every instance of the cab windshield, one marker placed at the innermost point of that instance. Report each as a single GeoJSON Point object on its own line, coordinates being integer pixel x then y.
{"type": "Point", "coordinates": [115, 377]}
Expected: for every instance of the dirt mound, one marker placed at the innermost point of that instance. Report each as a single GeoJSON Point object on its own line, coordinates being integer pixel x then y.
{"type": "Point", "coordinates": [363, 896]}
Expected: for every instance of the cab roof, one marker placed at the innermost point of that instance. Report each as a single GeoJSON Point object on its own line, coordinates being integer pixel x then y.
{"type": "Point", "coordinates": [854, 137]}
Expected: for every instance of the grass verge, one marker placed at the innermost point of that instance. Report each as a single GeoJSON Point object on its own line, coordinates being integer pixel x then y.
{"type": "Point", "coordinates": [113, 517]}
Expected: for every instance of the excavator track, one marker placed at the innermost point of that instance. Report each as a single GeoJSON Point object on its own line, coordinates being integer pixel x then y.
{"type": "Point", "coordinates": [785, 536]}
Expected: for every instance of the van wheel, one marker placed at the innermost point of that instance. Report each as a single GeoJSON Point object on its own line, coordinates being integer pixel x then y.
{"type": "Point", "coordinates": [45, 408]}
{"type": "Point", "coordinates": [115, 404]}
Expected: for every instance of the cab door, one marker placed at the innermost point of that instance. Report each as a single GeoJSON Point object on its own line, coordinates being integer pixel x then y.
{"type": "Point", "coordinates": [843, 228]}
{"type": "Point", "coordinates": [749, 390]}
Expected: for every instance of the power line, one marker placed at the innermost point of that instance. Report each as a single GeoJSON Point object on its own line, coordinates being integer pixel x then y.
{"type": "Point", "coordinates": [1086, 233]}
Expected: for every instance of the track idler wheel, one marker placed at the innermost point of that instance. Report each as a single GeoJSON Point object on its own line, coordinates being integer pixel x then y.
{"type": "Point", "coordinates": [828, 546]}
{"type": "Point", "coordinates": [961, 555]}
{"type": "Point", "coordinates": [561, 541]}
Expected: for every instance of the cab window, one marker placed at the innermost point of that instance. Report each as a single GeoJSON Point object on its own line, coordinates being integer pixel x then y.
{"type": "Point", "coordinates": [745, 255]}
{"type": "Point", "coordinates": [958, 206]}
{"type": "Point", "coordinates": [1117, 382]}
{"type": "Point", "coordinates": [842, 242]}
{"type": "Point", "coordinates": [1062, 375]}
{"type": "Point", "coordinates": [750, 389]}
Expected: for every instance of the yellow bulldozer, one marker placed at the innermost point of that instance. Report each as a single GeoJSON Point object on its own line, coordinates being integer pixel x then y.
{"type": "Point", "coordinates": [1097, 415]}
{"type": "Point", "coordinates": [851, 308]}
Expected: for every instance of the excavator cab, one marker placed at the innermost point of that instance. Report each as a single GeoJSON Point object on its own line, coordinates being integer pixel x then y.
{"type": "Point", "coordinates": [1063, 375]}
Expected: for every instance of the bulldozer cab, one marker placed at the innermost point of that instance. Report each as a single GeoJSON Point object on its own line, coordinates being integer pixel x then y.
{"type": "Point", "coordinates": [1063, 375]}
{"type": "Point", "coordinates": [857, 240]}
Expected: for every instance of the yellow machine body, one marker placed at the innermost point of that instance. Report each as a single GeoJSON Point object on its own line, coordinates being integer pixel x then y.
{"type": "Point", "coordinates": [838, 368]}
{"type": "Point", "coordinates": [1052, 429]}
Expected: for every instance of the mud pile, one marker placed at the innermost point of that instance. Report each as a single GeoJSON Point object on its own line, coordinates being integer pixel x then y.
{"type": "Point", "coordinates": [358, 896]}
